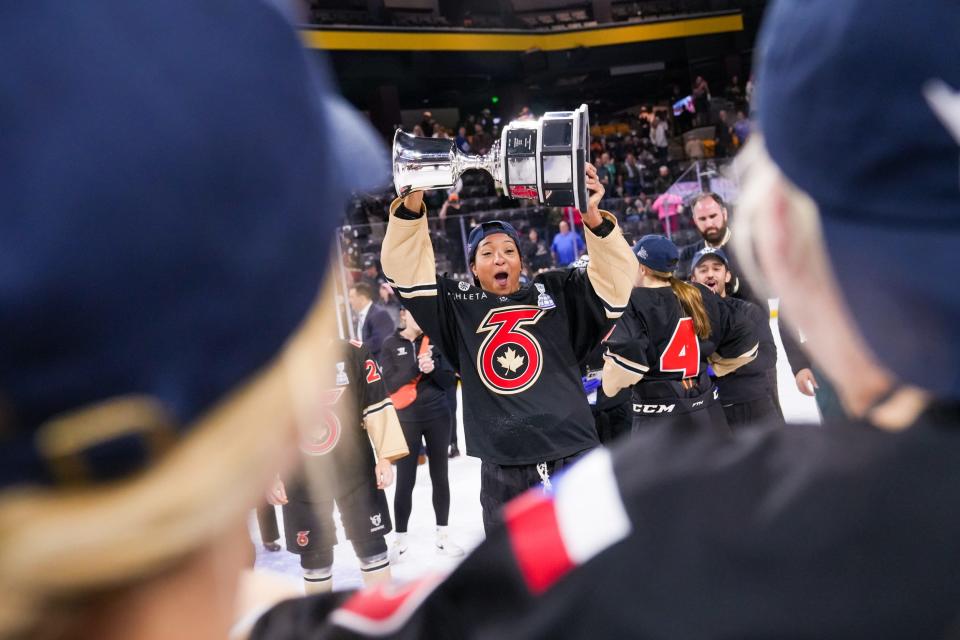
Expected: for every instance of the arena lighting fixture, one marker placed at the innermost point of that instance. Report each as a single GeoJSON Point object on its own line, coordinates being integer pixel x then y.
{"type": "Point", "coordinates": [542, 160]}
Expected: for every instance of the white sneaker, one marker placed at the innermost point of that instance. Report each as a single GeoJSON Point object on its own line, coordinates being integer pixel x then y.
{"type": "Point", "coordinates": [399, 547]}
{"type": "Point", "coordinates": [445, 547]}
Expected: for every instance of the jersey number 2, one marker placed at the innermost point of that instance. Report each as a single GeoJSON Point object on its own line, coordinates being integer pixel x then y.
{"type": "Point", "coordinates": [373, 373]}
{"type": "Point", "coordinates": [682, 354]}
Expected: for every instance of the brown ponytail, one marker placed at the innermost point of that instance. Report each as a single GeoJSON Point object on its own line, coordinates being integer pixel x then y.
{"type": "Point", "coordinates": [691, 301]}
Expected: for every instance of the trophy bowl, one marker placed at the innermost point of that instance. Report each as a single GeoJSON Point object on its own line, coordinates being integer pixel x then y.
{"type": "Point", "coordinates": [542, 159]}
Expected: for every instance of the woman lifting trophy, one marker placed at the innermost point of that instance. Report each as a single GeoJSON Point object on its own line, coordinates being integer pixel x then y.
{"type": "Point", "coordinates": [517, 348]}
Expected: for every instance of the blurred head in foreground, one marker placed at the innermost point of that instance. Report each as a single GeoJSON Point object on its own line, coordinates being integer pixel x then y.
{"type": "Point", "coordinates": [166, 216]}
{"type": "Point", "coordinates": [852, 224]}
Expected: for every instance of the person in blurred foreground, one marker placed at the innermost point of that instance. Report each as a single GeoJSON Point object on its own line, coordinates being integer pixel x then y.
{"type": "Point", "coordinates": [346, 458]}
{"type": "Point", "coordinates": [842, 532]}
{"type": "Point", "coordinates": [161, 255]}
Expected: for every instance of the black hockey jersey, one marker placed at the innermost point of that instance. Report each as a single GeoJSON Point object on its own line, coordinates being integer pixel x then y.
{"type": "Point", "coordinates": [519, 355]}
{"type": "Point", "coordinates": [750, 381]}
{"type": "Point", "coordinates": [655, 342]}
{"type": "Point", "coordinates": [777, 533]}
{"type": "Point", "coordinates": [352, 411]}
{"type": "Point", "coordinates": [398, 360]}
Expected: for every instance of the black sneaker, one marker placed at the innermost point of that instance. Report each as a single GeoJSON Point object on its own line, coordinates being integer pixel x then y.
{"type": "Point", "coordinates": [272, 546]}
{"type": "Point", "coordinates": [454, 451]}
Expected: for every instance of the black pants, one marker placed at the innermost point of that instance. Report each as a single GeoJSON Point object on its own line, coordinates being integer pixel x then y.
{"type": "Point", "coordinates": [267, 521]}
{"type": "Point", "coordinates": [694, 413]}
{"type": "Point", "coordinates": [743, 414]}
{"type": "Point", "coordinates": [775, 389]}
{"type": "Point", "coordinates": [452, 403]}
{"type": "Point", "coordinates": [436, 433]}
{"type": "Point", "coordinates": [612, 422]}
{"type": "Point", "coordinates": [499, 484]}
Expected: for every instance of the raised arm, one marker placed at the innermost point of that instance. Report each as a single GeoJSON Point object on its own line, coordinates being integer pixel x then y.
{"type": "Point", "coordinates": [409, 265]}
{"type": "Point", "coordinates": [407, 253]}
{"type": "Point", "coordinates": [613, 267]}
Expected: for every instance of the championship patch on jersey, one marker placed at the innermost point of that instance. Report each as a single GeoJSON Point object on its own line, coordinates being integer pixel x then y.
{"type": "Point", "coordinates": [544, 301]}
{"type": "Point", "coordinates": [510, 359]}
{"type": "Point", "coordinates": [342, 378]}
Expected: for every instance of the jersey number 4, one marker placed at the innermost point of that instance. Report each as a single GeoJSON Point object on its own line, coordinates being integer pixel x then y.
{"type": "Point", "coordinates": [682, 354]}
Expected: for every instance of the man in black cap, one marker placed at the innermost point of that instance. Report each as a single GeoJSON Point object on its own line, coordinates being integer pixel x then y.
{"type": "Point", "coordinates": [844, 532]}
{"type": "Point", "coordinates": [746, 395]}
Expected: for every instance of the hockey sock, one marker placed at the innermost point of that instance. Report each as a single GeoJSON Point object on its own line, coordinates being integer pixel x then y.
{"type": "Point", "coordinates": [318, 580]}
{"type": "Point", "coordinates": [375, 569]}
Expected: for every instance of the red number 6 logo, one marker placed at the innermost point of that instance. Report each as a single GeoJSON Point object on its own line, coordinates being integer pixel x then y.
{"type": "Point", "coordinates": [320, 438]}
{"type": "Point", "coordinates": [509, 359]}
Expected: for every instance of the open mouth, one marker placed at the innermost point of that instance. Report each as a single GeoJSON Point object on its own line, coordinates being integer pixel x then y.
{"type": "Point", "coordinates": [501, 278]}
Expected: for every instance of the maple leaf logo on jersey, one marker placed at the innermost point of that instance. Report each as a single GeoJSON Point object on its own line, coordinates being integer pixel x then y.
{"type": "Point", "coordinates": [510, 359]}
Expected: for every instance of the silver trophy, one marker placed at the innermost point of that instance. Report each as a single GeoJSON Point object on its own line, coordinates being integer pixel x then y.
{"type": "Point", "coordinates": [538, 159]}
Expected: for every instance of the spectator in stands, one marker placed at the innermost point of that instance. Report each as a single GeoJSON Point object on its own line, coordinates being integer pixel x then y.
{"type": "Point", "coordinates": [461, 140]}
{"type": "Point", "coordinates": [748, 93]}
{"type": "Point", "coordinates": [439, 131]}
{"type": "Point", "coordinates": [694, 149]}
{"type": "Point", "coordinates": [486, 120]}
{"type": "Point", "coordinates": [701, 99]}
{"type": "Point", "coordinates": [734, 91]}
{"type": "Point", "coordinates": [741, 128]}
{"type": "Point", "coordinates": [481, 139]}
{"type": "Point", "coordinates": [607, 169]}
{"type": "Point", "coordinates": [643, 124]}
{"type": "Point", "coordinates": [663, 181]}
{"type": "Point", "coordinates": [566, 246]}
{"type": "Point", "coordinates": [427, 123]}
{"type": "Point", "coordinates": [536, 255]}
{"type": "Point", "coordinates": [632, 176]}
{"type": "Point", "coordinates": [370, 273]}
{"type": "Point", "coordinates": [658, 136]}
{"type": "Point", "coordinates": [373, 322]}
{"type": "Point", "coordinates": [667, 206]}
{"type": "Point", "coordinates": [418, 131]}
{"type": "Point", "coordinates": [647, 161]}
{"type": "Point", "coordinates": [723, 134]}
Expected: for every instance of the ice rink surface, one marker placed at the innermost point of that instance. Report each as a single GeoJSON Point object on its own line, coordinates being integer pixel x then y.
{"type": "Point", "coordinates": [466, 526]}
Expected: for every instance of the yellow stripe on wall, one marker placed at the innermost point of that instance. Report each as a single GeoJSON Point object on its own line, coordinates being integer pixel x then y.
{"type": "Point", "coordinates": [551, 41]}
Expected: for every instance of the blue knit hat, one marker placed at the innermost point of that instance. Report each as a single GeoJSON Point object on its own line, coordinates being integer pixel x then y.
{"type": "Point", "coordinates": [167, 208]}
{"type": "Point", "coordinates": [882, 83]}
{"type": "Point", "coordinates": [481, 231]}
